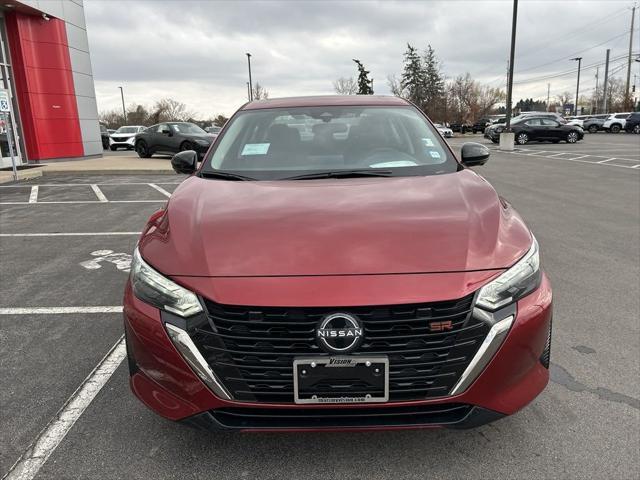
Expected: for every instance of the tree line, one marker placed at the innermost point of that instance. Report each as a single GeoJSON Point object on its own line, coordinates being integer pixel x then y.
{"type": "Point", "coordinates": [422, 82]}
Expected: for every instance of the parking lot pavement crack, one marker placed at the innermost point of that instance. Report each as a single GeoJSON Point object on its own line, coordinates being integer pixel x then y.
{"type": "Point", "coordinates": [562, 377]}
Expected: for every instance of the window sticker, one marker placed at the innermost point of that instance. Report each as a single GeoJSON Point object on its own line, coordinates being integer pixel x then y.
{"type": "Point", "coordinates": [255, 149]}
{"type": "Point", "coordinates": [397, 163]}
{"type": "Point", "coordinates": [427, 142]}
{"type": "Point", "coordinates": [434, 154]}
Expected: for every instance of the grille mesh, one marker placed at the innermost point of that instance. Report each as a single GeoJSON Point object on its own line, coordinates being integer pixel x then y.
{"type": "Point", "coordinates": [251, 349]}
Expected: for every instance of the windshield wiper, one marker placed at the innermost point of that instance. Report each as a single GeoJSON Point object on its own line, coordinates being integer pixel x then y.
{"type": "Point", "coordinates": [342, 174]}
{"type": "Point", "coordinates": [226, 176]}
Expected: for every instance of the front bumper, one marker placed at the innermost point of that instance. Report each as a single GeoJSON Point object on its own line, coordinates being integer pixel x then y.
{"type": "Point", "coordinates": [122, 142]}
{"type": "Point", "coordinates": [162, 379]}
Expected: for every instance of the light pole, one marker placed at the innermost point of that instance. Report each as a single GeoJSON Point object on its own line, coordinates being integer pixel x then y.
{"type": "Point", "coordinates": [575, 107]}
{"type": "Point", "coordinates": [250, 84]}
{"type": "Point", "coordinates": [506, 137]}
{"type": "Point", "coordinates": [124, 110]}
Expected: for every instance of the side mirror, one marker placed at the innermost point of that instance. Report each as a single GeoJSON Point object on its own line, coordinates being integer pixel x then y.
{"type": "Point", "coordinates": [474, 154]}
{"type": "Point", "coordinates": [185, 162]}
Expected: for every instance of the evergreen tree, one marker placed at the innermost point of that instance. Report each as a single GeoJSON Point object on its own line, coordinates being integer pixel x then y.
{"type": "Point", "coordinates": [434, 81]}
{"type": "Point", "coordinates": [365, 85]}
{"type": "Point", "coordinates": [413, 80]}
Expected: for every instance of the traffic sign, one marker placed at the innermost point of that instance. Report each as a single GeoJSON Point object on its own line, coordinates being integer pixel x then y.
{"type": "Point", "coordinates": [5, 103]}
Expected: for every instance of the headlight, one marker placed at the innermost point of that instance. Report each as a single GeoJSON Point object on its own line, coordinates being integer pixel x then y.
{"type": "Point", "coordinates": [515, 283]}
{"type": "Point", "coordinates": [157, 290]}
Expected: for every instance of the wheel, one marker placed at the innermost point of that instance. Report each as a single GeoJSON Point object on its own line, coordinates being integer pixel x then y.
{"type": "Point", "coordinates": [186, 146]}
{"type": "Point", "coordinates": [636, 129]}
{"type": "Point", "coordinates": [572, 137]}
{"type": "Point", "coordinates": [113, 148]}
{"type": "Point", "coordinates": [615, 128]}
{"type": "Point", "coordinates": [522, 138]}
{"type": "Point", "coordinates": [142, 150]}
{"type": "Point", "coordinates": [593, 129]}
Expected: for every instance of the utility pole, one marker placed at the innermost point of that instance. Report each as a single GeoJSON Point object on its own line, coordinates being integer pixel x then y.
{"type": "Point", "coordinates": [626, 90]}
{"type": "Point", "coordinates": [248, 92]}
{"type": "Point", "coordinates": [575, 107]}
{"type": "Point", "coordinates": [604, 85]}
{"type": "Point", "coordinates": [250, 84]}
{"type": "Point", "coordinates": [594, 99]}
{"type": "Point", "coordinates": [514, 22]}
{"type": "Point", "coordinates": [548, 94]}
{"type": "Point", "coordinates": [124, 110]}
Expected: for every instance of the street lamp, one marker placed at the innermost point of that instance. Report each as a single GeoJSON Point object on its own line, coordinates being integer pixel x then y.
{"type": "Point", "coordinates": [250, 84]}
{"type": "Point", "coordinates": [575, 107]}
{"type": "Point", "coordinates": [124, 110]}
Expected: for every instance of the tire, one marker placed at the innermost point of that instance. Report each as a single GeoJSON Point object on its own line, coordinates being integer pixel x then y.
{"type": "Point", "coordinates": [522, 138]}
{"type": "Point", "coordinates": [615, 128]}
{"type": "Point", "coordinates": [636, 129]}
{"type": "Point", "coordinates": [572, 137]}
{"type": "Point", "coordinates": [142, 150]}
{"type": "Point", "coordinates": [113, 148]}
{"type": "Point", "coordinates": [593, 129]}
{"type": "Point", "coordinates": [186, 146]}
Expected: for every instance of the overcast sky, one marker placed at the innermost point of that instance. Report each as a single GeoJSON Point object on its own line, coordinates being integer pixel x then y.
{"type": "Point", "coordinates": [195, 51]}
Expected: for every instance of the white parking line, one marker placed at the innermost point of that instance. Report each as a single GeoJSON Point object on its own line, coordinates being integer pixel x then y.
{"type": "Point", "coordinates": [57, 310]}
{"type": "Point", "coordinates": [579, 161]}
{"type": "Point", "coordinates": [96, 202]}
{"type": "Point", "coordinates": [121, 184]}
{"type": "Point", "coordinates": [98, 193]}
{"type": "Point", "coordinates": [607, 160]}
{"type": "Point", "coordinates": [68, 234]}
{"type": "Point", "coordinates": [33, 197]}
{"type": "Point", "coordinates": [35, 456]}
{"type": "Point", "coordinates": [160, 189]}
{"type": "Point", "coordinates": [581, 156]}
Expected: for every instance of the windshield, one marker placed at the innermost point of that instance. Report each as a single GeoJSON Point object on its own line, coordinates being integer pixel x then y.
{"type": "Point", "coordinates": [127, 130]}
{"type": "Point", "coordinates": [187, 128]}
{"type": "Point", "coordinates": [279, 143]}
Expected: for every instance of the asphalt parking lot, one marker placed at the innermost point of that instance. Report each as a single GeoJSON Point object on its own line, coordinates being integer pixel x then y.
{"type": "Point", "coordinates": [62, 239]}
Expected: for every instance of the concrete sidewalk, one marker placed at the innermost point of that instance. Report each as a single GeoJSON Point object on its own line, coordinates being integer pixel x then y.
{"type": "Point", "coordinates": [109, 164]}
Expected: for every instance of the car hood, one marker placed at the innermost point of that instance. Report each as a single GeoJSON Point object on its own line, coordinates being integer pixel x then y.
{"type": "Point", "coordinates": [196, 136]}
{"type": "Point", "coordinates": [446, 223]}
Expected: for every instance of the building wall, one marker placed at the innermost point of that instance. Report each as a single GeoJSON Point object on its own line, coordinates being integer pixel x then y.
{"type": "Point", "coordinates": [56, 93]}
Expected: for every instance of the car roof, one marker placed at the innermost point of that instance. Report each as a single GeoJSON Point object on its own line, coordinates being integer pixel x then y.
{"type": "Point", "coordinates": [327, 101]}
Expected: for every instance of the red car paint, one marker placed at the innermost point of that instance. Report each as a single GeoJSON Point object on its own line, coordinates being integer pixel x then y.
{"type": "Point", "coordinates": [346, 242]}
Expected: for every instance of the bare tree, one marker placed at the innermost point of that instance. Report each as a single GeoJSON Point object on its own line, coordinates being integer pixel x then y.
{"type": "Point", "coordinates": [168, 109]}
{"type": "Point", "coordinates": [564, 98]}
{"type": "Point", "coordinates": [395, 85]}
{"type": "Point", "coordinates": [487, 98]}
{"type": "Point", "coordinates": [345, 86]}
{"type": "Point", "coordinates": [220, 120]}
{"type": "Point", "coordinates": [259, 92]}
{"type": "Point", "coordinates": [112, 118]}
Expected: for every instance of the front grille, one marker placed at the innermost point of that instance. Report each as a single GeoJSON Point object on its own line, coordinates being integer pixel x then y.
{"type": "Point", "coordinates": [251, 349]}
{"type": "Point", "coordinates": [121, 139]}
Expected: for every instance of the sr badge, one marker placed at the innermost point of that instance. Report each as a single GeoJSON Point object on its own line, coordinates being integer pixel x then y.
{"type": "Point", "coordinates": [339, 333]}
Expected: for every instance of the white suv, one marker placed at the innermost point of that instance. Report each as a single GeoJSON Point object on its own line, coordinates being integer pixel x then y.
{"type": "Point", "coordinates": [124, 137]}
{"type": "Point", "coordinates": [615, 122]}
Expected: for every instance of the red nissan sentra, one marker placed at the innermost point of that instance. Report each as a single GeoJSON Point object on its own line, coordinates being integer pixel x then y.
{"type": "Point", "coordinates": [332, 265]}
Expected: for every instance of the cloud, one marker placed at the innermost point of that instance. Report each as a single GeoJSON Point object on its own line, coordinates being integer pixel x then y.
{"type": "Point", "coordinates": [195, 51]}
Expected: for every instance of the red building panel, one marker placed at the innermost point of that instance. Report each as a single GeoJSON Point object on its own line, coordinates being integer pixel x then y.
{"type": "Point", "coordinates": [44, 87]}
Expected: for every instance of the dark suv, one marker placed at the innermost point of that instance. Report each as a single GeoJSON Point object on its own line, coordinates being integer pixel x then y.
{"type": "Point", "coordinates": [480, 125]}
{"type": "Point", "coordinates": [632, 125]}
{"type": "Point", "coordinates": [594, 124]}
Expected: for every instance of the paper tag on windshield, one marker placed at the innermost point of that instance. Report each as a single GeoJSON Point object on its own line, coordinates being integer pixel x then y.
{"type": "Point", "coordinates": [434, 154]}
{"type": "Point", "coordinates": [427, 142]}
{"type": "Point", "coordinates": [255, 149]}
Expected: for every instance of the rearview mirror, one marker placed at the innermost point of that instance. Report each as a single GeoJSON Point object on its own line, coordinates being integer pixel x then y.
{"type": "Point", "coordinates": [185, 162]}
{"type": "Point", "coordinates": [474, 154]}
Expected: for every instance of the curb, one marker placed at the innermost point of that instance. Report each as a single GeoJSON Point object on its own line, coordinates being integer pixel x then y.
{"type": "Point", "coordinates": [22, 175]}
{"type": "Point", "coordinates": [49, 173]}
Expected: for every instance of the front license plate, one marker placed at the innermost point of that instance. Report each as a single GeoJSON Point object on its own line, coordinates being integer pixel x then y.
{"type": "Point", "coordinates": [344, 379]}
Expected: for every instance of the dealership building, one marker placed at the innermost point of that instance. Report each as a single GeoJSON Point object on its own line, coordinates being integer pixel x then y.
{"type": "Point", "coordinates": [45, 68]}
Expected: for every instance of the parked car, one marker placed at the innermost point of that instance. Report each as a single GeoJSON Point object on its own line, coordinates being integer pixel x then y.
{"type": "Point", "coordinates": [213, 130]}
{"type": "Point", "coordinates": [459, 127]}
{"type": "Point", "coordinates": [577, 121]}
{"type": "Point", "coordinates": [632, 123]}
{"type": "Point", "coordinates": [287, 278]}
{"type": "Point", "coordinates": [104, 135]}
{"type": "Point", "coordinates": [594, 123]}
{"type": "Point", "coordinates": [615, 122]}
{"type": "Point", "coordinates": [172, 137]}
{"type": "Point", "coordinates": [124, 137]}
{"type": "Point", "coordinates": [499, 120]}
{"type": "Point", "coordinates": [539, 129]}
{"type": "Point", "coordinates": [111, 131]}
{"type": "Point", "coordinates": [480, 125]}
{"type": "Point", "coordinates": [444, 131]}
{"type": "Point", "coordinates": [553, 115]}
